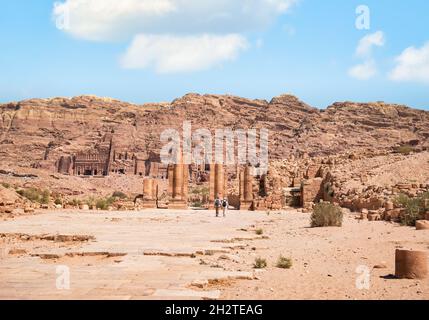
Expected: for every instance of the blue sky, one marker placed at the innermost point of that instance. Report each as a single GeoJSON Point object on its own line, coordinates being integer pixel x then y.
{"type": "Point", "coordinates": [308, 48]}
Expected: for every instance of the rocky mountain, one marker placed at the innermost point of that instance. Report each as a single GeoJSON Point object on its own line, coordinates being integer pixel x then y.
{"type": "Point", "coordinates": [37, 130]}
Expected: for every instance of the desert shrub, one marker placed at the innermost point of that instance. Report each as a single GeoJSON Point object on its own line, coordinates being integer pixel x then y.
{"type": "Point", "coordinates": [45, 197]}
{"type": "Point", "coordinates": [260, 263]}
{"type": "Point", "coordinates": [197, 204]}
{"type": "Point", "coordinates": [58, 201]}
{"type": "Point", "coordinates": [5, 185]}
{"type": "Point", "coordinates": [401, 200]}
{"type": "Point", "coordinates": [259, 232]}
{"type": "Point", "coordinates": [414, 208]}
{"type": "Point", "coordinates": [119, 194]}
{"type": "Point", "coordinates": [204, 191]}
{"type": "Point", "coordinates": [91, 201]}
{"type": "Point", "coordinates": [425, 197]}
{"type": "Point", "coordinates": [74, 202]}
{"type": "Point", "coordinates": [102, 204]}
{"type": "Point", "coordinates": [404, 149]}
{"type": "Point", "coordinates": [326, 214]}
{"type": "Point", "coordinates": [35, 195]}
{"type": "Point", "coordinates": [105, 203]}
{"type": "Point", "coordinates": [284, 263]}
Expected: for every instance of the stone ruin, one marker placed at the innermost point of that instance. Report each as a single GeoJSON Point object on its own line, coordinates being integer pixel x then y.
{"type": "Point", "coordinates": [105, 159]}
{"type": "Point", "coordinates": [255, 193]}
{"type": "Point", "coordinates": [411, 264]}
{"type": "Point", "coordinates": [178, 178]}
{"type": "Point", "coordinates": [218, 183]}
{"type": "Point", "coordinates": [300, 181]}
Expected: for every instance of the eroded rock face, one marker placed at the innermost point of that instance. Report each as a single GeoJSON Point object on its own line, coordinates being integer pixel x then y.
{"type": "Point", "coordinates": [38, 130]}
{"type": "Point", "coordinates": [349, 146]}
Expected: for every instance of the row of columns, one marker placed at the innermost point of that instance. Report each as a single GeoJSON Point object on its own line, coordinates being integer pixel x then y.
{"type": "Point", "coordinates": [178, 176]}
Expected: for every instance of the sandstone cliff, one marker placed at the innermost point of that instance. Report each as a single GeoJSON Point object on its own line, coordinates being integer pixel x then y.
{"type": "Point", "coordinates": [38, 130]}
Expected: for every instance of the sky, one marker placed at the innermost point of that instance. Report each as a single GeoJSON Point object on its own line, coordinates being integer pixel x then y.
{"type": "Point", "coordinates": [158, 50]}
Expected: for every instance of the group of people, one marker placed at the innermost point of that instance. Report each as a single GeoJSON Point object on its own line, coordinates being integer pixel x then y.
{"type": "Point", "coordinates": [221, 204]}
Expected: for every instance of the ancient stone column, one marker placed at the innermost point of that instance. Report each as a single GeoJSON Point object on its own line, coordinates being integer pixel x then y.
{"type": "Point", "coordinates": [246, 189]}
{"type": "Point", "coordinates": [150, 193]}
{"type": "Point", "coordinates": [411, 264]}
{"type": "Point", "coordinates": [178, 178]}
{"type": "Point", "coordinates": [218, 183]}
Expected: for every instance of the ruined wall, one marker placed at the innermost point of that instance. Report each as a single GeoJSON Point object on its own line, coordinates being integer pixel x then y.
{"type": "Point", "coordinates": [311, 191]}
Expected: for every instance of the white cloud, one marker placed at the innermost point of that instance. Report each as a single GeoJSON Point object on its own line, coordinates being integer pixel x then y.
{"type": "Point", "coordinates": [178, 54]}
{"type": "Point", "coordinates": [170, 35]}
{"type": "Point", "coordinates": [412, 65]}
{"type": "Point", "coordinates": [366, 44]}
{"type": "Point", "coordinates": [109, 19]}
{"type": "Point", "coordinates": [113, 19]}
{"type": "Point", "coordinates": [364, 71]}
{"type": "Point", "coordinates": [368, 68]}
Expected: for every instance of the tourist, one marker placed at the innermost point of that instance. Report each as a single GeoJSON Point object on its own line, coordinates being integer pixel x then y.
{"type": "Point", "coordinates": [225, 206]}
{"type": "Point", "coordinates": [217, 204]}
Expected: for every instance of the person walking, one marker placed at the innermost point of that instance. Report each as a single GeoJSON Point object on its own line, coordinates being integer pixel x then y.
{"type": "Point", "coordinates": [225, 205]}
{"type": "Point", "coordinates": [218, 205]}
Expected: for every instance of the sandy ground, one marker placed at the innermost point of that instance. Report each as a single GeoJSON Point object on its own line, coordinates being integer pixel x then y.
{"type": "Point", "coordinates": [164, 254]}
{"type": "Point", "coordinates": [328, 262]}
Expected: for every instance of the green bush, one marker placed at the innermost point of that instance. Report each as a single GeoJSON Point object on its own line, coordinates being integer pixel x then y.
{"type": "Point", "coordinates": [414, 208]}
{"type": "Point", "coordinates": [91, 202]}
{"type": "Point", "coordinates": [197, 204]}
{"type": "Point", "coordinates": [260, 263]}
{"type": "Point", "coordinates": [5, 185]}
{"type": "Point", "coordinates": [204, 191]}
{"type": "Point", "coordinates": [35, 195]}
{"type": "Point", "coordinates": [119, 194]}
{"type": "Point", "coordinates": [425, 197]}
{"type": "Point", "coordinates": [284, 263]}
{"type": "Point", "coordinates": [401, 200]}
{"type": "Point", "coordinates": [58, 201]}
{"type": "Point", "coordinates": [74, 202]}
{"type": "Point", "coordinates": [104, 204]}
{"type": "Point", "coordinates": [326, 214]}
{"type": "Point", "coordinates": [259, 232]}
{"type": "Point", "coordinates": [46, 195]}
{"type": "Point", "coordinates": [404, 149]}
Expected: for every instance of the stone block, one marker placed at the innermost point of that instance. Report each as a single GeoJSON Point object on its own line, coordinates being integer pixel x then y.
{"type": "Point", "coordinates": [374, 217]}
{"type": "Point", "coordinates": [422, 225]}
{"type": "Point", "coordinates": [28, 210]}
{"type": "Point", "coordinates": [389, 205]}
{"type": "Point", "coordinates": [411, 264]}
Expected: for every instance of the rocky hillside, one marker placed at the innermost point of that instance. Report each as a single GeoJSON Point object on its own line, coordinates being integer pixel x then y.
{"type": "Point", "coordinates": [44, 129]}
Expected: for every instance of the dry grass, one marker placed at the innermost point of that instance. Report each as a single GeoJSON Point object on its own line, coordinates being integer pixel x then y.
{"type": "Point", "coordinates": [260, 263]}
{"type": "Point", "coordinates": [326, 215]}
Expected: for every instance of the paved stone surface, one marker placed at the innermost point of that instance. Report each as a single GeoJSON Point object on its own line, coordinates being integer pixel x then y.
{"type": "Point", "coordinates": [114, 265]}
